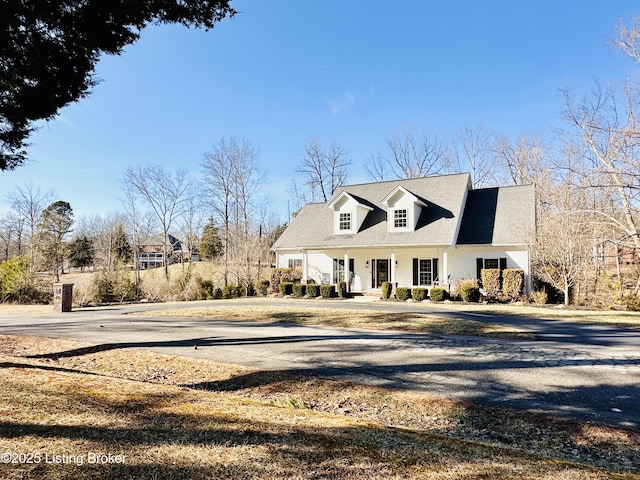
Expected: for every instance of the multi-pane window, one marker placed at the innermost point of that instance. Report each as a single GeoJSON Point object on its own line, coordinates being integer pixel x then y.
{"type": "Point", "coordinates": [345, 221]}
{"type": "Point", "coordinates": [295, 263]}
{"type": "Point", "coordinates": [491, 263]}
{"type": "Point", "coordinates": [400, 218]}
{"type": "Point", "coordinates": [425, 272]}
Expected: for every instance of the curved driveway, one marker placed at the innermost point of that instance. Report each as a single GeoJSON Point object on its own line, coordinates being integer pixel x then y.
{"type": "Point", "coordinates": [574, 370]}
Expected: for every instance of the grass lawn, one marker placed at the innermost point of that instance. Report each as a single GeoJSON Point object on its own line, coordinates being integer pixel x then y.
{"type": "Point", "coordinates": [166, 417]}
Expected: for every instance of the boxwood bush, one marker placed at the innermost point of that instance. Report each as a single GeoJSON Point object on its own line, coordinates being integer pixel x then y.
{"type": "Point", "coordinates": [438, 294]}
{"type": "Point", "coordinates": [327, 291]}
{"type": "Point", "coordinates": [299, 290]}
{"type": "Point", "coordinates": [313, 290]}
{"type": "Point", "coordinates": [342, 289]}
{"type": "Point", "coordinates": [419, 294]}
{"type": "Point", "coordinates": [403, 293]}
{"type": "Point", "coordinates": [469, 293]}
{"type": "Point", "coordinates": [286, 288]}
{"type": "Point", "coordinates": [386, 290]}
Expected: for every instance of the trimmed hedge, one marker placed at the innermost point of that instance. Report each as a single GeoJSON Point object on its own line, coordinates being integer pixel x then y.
{"type": "Point", "coordinates": [386, 290]}
{"type": "Point", "coordinates": [299, 289]}
{"type": "Point", "coordinates": [279, 275]}
{"type": "Point", "coordinates": [313, 290]}
{"type": "Point", "coordinates": [438, 294]}
{"type": "Point", "coordinates": [491, 280]}
{"type": "Point", "coordinates": [342, 289]}
{"type": "Point", "coordinates": [513, 282]}
{"type": "Point", "coordinates": [327, 291]}
{"type": "Point", "coordinates": [470, 294]}
{"type": "Point", "coordinates": [419, 294]}
{"type": "Point", "coordinates": [403, 293]}
{"type": "Point", "coordinates": [286, 288]}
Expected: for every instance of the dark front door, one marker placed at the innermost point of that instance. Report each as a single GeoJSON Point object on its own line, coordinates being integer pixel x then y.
{"type": "Point", "coordinates": [380, 272]}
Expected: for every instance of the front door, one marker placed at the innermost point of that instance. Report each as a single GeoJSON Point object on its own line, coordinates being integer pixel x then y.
{"type": "Point", "coordinates": [380, 272]}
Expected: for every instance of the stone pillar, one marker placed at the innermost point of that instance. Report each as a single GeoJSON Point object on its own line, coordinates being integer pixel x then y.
{"type": "Point", "coordinates": [62, 297]}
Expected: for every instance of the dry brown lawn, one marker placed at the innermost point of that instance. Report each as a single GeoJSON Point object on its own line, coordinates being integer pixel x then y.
{"type": "Point", "coordinates": [167, 417]}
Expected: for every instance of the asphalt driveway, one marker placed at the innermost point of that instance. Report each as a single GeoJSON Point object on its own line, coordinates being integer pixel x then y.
{"type": "Point", "coordinates": [575, 370]}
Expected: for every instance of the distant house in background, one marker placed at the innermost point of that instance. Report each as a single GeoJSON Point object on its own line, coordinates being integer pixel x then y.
{"type": "Point", "coordinates": [421, 232]}
{"type": "Point", "coordinates": [151, 252]}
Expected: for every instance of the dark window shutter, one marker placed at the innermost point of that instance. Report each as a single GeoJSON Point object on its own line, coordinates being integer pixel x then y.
{"type": "Point", "coordinates": [479, 267]}
{"type": "Point", "coordinates": [373, 273]}
{"type": "Point", "coordinates": [416, 276]}
{"type": "Point", "coordinates": [503, 263]}
{"type": "Point", "coordinates": [434, 271]}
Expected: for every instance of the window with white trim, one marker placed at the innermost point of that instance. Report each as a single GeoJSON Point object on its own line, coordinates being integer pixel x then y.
{"type": "Point", "coordinates": [345, 221]}
{"type": "Point", "coordinates": [400, 218]}
{"type": "Point", "coordinates": [295, 263]}
{"type": "Point", "coordinates": [425, 271]}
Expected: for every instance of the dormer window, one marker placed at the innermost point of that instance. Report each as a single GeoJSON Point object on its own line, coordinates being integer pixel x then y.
{"type": "Point", "coordinates": [345, 221]}
{"type": "Point", "coordinates": [403, 210]}
{"type": "Point", "coordinates": [400, 218]}
{"type": "Point", "coordinates": [348, 213]}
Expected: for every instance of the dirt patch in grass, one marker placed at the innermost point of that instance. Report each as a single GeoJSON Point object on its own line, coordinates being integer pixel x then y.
{"type": "Point", "coordinates": [350, 318]}
{"type": "Point", "coordinates": [180, 418]}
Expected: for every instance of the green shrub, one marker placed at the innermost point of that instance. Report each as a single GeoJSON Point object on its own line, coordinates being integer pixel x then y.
{"type": "Point", "coordinates": [386, 290]}
{"type": "Point", "coordinates": [403, 293]}
{"type": "Point", "coordinates": [286, 288]}
{"type": "Point", "coordinates": [263, 287]}
{"type": "Point", "coordinates": [462, 283]}
{"type": "Point", "coordinates": [217, 293]}
{"type": "Point", "coordinates": [299, 290]}
{"type": "Point", "coordinates": [342, 289]}
{"type": "Point", "coordinates": [513, 282]}
{"type": "Point", "coordinates": [438, 294]}
{"type": "Point", "coordinates": [327, 291]}
{"type": "Point", "coordinates": [313, 290]}
{"type": "Point", "coordinates": [419, 294]}
{"type": "Point", "coordinates": [207, 289]}
{"type": "Point", "coordinates": [469, 293]}
{"type": "Point", "coordinates": [233, 291]}
{"type": "Point", "coordinates": [539, 298]}
{"type": "Point", "coordinates": [491, 281]}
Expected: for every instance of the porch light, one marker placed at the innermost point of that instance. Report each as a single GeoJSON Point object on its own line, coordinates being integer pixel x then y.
{"type": "Point", "coordinates": [366, 264]}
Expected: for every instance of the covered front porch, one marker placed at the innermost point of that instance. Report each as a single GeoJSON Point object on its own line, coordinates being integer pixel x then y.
{"type": "Point", "coordinates": [366, 269]}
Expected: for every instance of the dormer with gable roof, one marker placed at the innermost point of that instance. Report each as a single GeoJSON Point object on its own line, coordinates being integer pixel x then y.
{"type": "Point", "coordinates": [348, 213]}
{"type": "Point", "coordinates": [403, 210]}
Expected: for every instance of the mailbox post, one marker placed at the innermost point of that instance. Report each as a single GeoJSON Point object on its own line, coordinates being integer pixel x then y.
{"type": "Point", "coordinates": [62, 296]}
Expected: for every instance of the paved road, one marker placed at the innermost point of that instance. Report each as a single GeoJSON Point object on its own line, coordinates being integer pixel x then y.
{"type": "Point", "coordinates": [575, 370]}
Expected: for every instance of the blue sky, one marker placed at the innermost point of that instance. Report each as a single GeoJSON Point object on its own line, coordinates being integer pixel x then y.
{"type": "Point", "coordinates": [284, 72]}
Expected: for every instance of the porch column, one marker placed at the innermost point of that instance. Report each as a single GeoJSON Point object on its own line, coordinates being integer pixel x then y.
{"type": "Point", "coordinates": [347, 273]}
{"type": "Point", "coordinates": [392, 270]}
{"type": "Point", "coordinates": [305, 266]}
{"type": "Point", "coordinates": [444, 277]}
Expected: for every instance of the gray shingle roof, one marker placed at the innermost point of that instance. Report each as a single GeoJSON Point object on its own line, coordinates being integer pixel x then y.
{"type": "Point", "coordinates": [493, 216]}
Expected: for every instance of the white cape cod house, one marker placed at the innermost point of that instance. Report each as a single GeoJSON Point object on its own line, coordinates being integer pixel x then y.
{"type": "Point", "coordinates": [419, 232]}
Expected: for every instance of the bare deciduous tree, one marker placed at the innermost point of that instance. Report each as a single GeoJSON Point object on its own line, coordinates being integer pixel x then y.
{"type": "Point", "coordinates": [231, 180]}
{"type": "Point", "coordinates": [29, 202]}
{"type": "Point", "coordinates": [412, 157]}
{"type": "Point", "coordinates": [164, 193]}
{"type": "Point", "coordinates": [475, 151]}
{"type": "Point", "coordinates": [324, 170]}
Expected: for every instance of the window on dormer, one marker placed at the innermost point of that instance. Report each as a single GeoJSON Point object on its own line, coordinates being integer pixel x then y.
{"type": "Point", "coordinates": [345, 221]}
{"type": "Point", "coordinates": [400, 218]}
